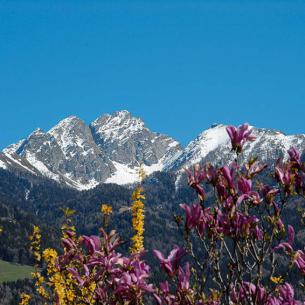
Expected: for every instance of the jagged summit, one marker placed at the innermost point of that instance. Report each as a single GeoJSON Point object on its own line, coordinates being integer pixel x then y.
{"type": "Point", "coordinates": [119, 125]}
{"type": "Point", "coordinates": [112, 148]}
{"type": "Point", "coordinates": [36, 132]}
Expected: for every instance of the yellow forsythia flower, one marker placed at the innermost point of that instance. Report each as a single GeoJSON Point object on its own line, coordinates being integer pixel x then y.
{"type": "Point", "coordinates": [24, 299]}
{"type": "Point", "coordinates": [106, 209]}
{"type": "Point", "coordinates": [277, 279]}
{"type": "Point", "coordinates": [35, 239]}
{"type": "Point", "coordinates": [138, 220]}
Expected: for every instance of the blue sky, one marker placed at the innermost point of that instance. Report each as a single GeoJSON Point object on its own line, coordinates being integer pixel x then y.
{"type": "Point", "coordinates": [179, 65]}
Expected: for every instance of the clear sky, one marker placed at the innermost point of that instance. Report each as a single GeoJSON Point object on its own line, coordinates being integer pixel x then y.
{"type": "Point", "coordinates": [179, 65]}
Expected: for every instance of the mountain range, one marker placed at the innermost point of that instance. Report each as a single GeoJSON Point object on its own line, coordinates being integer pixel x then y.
{"type": "Point", "coordinates": [113, 147]}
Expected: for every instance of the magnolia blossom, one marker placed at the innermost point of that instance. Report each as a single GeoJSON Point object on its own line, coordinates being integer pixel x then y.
{"type": "Point", "coordinates": [195, 179]}
{"type": "Point", "coordinates": [193, 215]}
{"type": "Point", "coordinates": [295, 157]}
{"type": "Point", "coordinates": [228, 174]}
{"type": "Point", "coordinates": [172, 262]}
{"type": "Point", "coordinates": [298, 257]}
{"type": "Point", "coordinates": [249, 292]}
{"type": "Point", "coordinates": [114, 275]}
{"type": "Point", "coordinates": [239, 136]}
{"type": "Point", "coordinates": [245, 187]}
{"type": "Point", "coordinates": [284, 175]}
{"type": "Point", "coordinates": [239, 226]}
{"type": "Point", "coordinates": [199, 218]}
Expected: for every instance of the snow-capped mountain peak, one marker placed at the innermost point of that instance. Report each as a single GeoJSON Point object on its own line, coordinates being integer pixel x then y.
{"type": "Point", "coordinates": [110, 150]}
{"type": "Point", "coordinates": [114, 146]}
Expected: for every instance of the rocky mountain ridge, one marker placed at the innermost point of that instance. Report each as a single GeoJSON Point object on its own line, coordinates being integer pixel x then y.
{"type": "Point", "coordinates": [113, 147]}
{"type": "Point", "coordinates": [110, 150]}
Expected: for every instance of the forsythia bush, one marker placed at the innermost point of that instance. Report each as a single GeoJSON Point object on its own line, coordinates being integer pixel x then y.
{"type": "Point", "coordinates": [238, 250]}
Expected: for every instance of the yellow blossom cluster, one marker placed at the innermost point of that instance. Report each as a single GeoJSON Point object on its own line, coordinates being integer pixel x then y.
{"type": "Point", "coordinates": [58, 285]}
{"type": "Point", "coordinates": [106, 209]}
{"type": "Point", "coordinates": [277, 279]}
{"type": "Point", "coordinates": [24, 299]}
{"type": "Point", "coordinates": [50, 256]}
{"type": "Point", "coordinates": [137, 220]}
{"type": "Point", "coordinates": [39, 283]}
{"type": "Point", "coordinates": [35, 239]}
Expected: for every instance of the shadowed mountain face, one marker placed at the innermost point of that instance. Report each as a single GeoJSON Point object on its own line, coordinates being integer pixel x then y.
{"type": "Point", "coordinates": [112, 148]}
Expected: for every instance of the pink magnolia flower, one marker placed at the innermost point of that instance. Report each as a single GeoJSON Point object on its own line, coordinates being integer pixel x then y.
{"type": "Point", "coordinates": [239, 136]}
{"type": "Point", "coordinates": [284, 175]}
{"type": "Point", "coordinates": [195, 179]}
{"type": "Point", "coordinates": [228, 175]}
{"type": "Point", "coordinates": [239, 225]}
{"type": "Point", "coordinates": [245, 187]}
{"type": "Point", "coordinates": [193, 215]}
{"type": "Point", "coordinates": [299, 260]}
{"type": "Point", "coordinates": [184, 278]}
{"type": "Point", "coordinates": [295, 157]}
{"type": "Point", "coordinates": [298, 257]}
{"type": "Point", "coordinates": [172, 262]}
{"type": "Point", "coordinates": [132, 283]}
{"type": "Point", "coordinates": [286, 296]}
{"type": "Point", "coordinates": [248, 291]}
{"type": "Point", "coordinates": [197, 217]}
{"type": "Point", "coordinates": [211, 174]}
{"type": "Point", "coordinates": [116, 277]}
{"type": "Point", "coordinates": [287, 246]}
{"type": "Point", "coordinates": [92, 243]}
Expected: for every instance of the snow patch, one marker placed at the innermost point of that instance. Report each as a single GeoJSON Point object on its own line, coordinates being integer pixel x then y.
{"type": "Point", "coordinates": [123, 174]}
{"type": "Point", "coordinates": [206, 142]}
{"type": "Point", "coordinates": [15, 160]}
{"type": "Point", "coordinates": [27, 193]}
{"type": "Point", "coordinates": [3, 165]}
{"type": "Point", "coordinates": [41, 167]}
{"type": "Point", "coordinates": [127, 175]}
{"type": "Point", "coordinates": [173, 144]}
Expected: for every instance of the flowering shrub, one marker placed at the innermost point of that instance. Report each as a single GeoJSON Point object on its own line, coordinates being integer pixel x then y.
{"type": "Point", "coordinates": [235, 243]}
{"type": "Point", "coordinates": [233, 234]}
